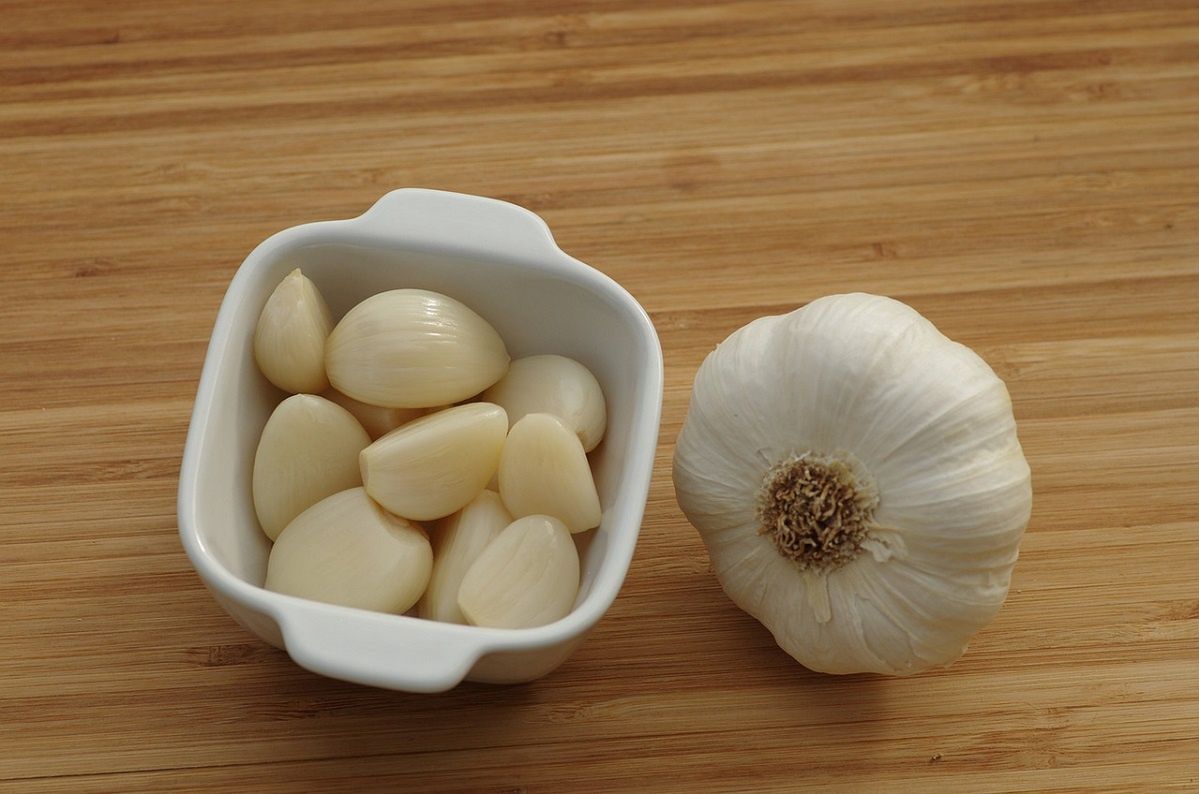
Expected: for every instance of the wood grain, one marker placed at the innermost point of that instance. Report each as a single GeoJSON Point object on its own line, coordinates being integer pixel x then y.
{"type": "Point", "coordinates": [1025, 173]}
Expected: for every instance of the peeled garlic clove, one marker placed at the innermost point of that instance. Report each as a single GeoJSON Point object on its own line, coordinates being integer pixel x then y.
{"type": "Point", "coordinates": [457, 542]}
{"type": "Point", "coordinates": [347, 550]}
{"type": "Point", "coordinates": [289, 341]}
{"type": "Point", "coordinates": [411, 348]}
{"type": "Point", "coordinates": [434, 465]}
{"type": "Point", "coordinates": [376, 420]}
{"type": "Point", "coordinates": [528, 576]}
{"type": "Point", "coordinates": [308, 450]}
{"type": "Point", "coordinates": [544, 470]}
{"type": "Point", "coordinates": [553, 385]}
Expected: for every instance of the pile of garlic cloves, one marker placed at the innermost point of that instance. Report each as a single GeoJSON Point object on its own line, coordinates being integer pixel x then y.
{"type": "Point", "coordinates": [417, 468]}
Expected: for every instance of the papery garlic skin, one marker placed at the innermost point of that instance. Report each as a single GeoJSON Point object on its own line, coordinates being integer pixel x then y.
{"type": "Point", "coordinates": [308, 450]}
{"type": "Point", "coordinates": [411, 348]}
{"type": "Point", "coordinates": [458, 540]}
{"type": "Point", "coordinates": [526, 577]}
{"type": "Point", "coordinates": [904, 434]}
{"type": "Point", "coordinates": [435, 465]}
{"type": "Point", "coordinates": [376, 420]}
{"type": "Point", "coordinates": [347, 550]}
{"type": "Point", "coordinates": [289, 340]}
{"type": "Point", "coordinates": [553, 385]}
{"type": "Point", "coordinates": [544, 470]}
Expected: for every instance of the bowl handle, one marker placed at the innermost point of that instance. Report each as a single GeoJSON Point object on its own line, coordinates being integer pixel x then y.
{"type": "Point", "coordinates": [474, 224]}
{"type": "Point", "coordinates": [366, 648]}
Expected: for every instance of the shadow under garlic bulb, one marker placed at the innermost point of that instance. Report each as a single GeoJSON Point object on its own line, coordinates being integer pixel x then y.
{"type": "Point", "coordinates": [857, 480]}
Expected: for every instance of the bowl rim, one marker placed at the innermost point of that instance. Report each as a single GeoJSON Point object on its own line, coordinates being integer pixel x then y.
{"type": "Point", "coordinates": [532, 246]}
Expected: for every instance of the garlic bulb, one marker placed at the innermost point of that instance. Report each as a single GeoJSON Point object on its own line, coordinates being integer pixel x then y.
{"type": "Point", "coordinates": [526, 577]}
{"type": "Point", "coordinates": [411, 348]}
{"type": "Point", "coordinates": [857, 480]}
{"type": "Point", "coordinates": [308, 450]}
{"type": "Point", "coordinates": [458, 540]}
{"type": "Point", "coordinates": [433, 466]}
{"type": "Point", "coordinates": [553, 385]}
{"type": "Point", "coordinates": [544, 470]}
{"type": "Point", "coordinates": [289, 341]}
{"type": "Point", "coordinates": [347, 550]}
{"type": "Point", "coordinates": [376, 420]}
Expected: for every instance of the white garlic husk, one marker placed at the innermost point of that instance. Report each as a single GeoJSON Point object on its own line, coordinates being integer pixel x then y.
{"type": "Point", "coordinates": [289, 340]}
{"type": "Point", "coordinates": [553, 385]}
{"type": "Point", "coordinates": [458, 540]}
{"type": "Point", "coordinates": [411, 348]}
{"type": "Point", "coordinates": [347, 550]}
{"type": "Point", "coordinates": [433, 466]}
{"type": "Point", "coordinates": [857, 480]}
{"type": "Point", "coordinates": [308, 450]}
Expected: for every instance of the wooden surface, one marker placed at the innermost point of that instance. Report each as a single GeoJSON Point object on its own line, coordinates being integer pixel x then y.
{"type": "Point", "coordinates": [1025, 173]}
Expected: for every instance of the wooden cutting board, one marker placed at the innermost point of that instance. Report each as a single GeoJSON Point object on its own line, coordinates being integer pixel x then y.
{"type": "Point", "coordinates": [1026, 174]}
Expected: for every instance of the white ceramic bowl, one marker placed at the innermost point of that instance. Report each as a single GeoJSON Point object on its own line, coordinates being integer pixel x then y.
{"type": "Point", "coordinates": [501, 260]}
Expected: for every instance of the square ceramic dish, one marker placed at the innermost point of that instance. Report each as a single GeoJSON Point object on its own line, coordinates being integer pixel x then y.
{"type": "Point", "coordinates": [501, 260]}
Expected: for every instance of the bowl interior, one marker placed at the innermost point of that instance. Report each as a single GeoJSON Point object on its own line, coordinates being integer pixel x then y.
{"type": "Point", "coordinates": [537, 305]}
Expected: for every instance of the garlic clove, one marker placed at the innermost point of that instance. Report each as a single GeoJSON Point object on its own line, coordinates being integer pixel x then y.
{"type": "Point", "coordinates": [553, 385]}
{"type": "Point", "coordinates": [411, 348]}
{"type": "Point", "coordinates": [308, 450]}
{"type": "Point", "coordinates": [457, 542]}
{"type": "Point", "coordinates": [347, 550]}
{"type": "Point", "coordinates": [528, 576]}
{"type": "Point", "coordinates": [544, 470]}
{"type": "Point", "coordinates": [435, 465]}
{"type": "Point", "coordinates": [376, 420]}
{"type": "Point", "coordinates": [289, 340]}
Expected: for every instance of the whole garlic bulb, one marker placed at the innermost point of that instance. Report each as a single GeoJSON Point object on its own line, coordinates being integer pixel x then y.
{"type": "Point", "coordinates": [857, 480]}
